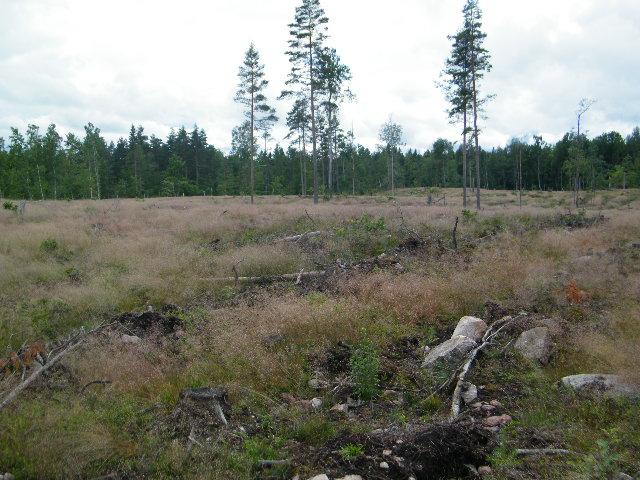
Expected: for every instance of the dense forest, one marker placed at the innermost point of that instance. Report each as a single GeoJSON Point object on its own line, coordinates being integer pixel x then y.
{"type": "Point", "coordinates": [320, 158]}
{"type": "Point", "coordinates": [43, 165]}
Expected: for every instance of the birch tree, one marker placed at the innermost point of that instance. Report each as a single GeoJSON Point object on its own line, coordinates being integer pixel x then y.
{"type": "Point", "coordinates": [391, 136]}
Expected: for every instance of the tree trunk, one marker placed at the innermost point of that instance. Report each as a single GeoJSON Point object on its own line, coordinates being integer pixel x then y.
{"type": "Point", "coordinates": [464, 159]}
{"type": "Point", "coordinates": [475, 130]}
{"type": "Point", "coordinates": [313, 123]}
{"type": "Point", "coordinates": [393, 180]}
{"type": "Point", "coordinates": [251, 172]}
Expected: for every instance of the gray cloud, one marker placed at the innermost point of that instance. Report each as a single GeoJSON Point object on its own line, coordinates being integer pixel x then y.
{"type": "Point", "coordinates": [165, 64]}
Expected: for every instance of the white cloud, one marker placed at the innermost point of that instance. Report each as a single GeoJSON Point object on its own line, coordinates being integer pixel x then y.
{"type": "Point", "coordinates": [163, 64]}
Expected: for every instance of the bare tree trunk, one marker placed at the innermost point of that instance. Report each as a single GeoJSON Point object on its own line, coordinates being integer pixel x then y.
{"type": "Point", "coordinates": [393, 180]}
{"type": "Point", "coordinates": [313, 125]}
{"type": "Point", "coordinates": [520, 177]}
{"type": "Point", "coordinates": [251, 154]}
{"type": "Point", "coordinates": [40, 182]}
{"type": "Point", "coordinates": [475, 130]}
{"type": "Point", "coordinates": [464, 159]}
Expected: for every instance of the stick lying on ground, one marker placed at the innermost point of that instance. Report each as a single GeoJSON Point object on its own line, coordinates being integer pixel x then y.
{"type": "Point", "coordinates": [491, 332]}
{"type": "Point", "coordinates": [523, 452]}
{"type": "Point", "coordinates": [68, 348]}
{"type": "Point", "coordinates": [295, 238]}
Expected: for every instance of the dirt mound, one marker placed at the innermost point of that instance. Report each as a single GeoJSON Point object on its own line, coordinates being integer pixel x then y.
{"type": "Point", "coordinates": [150, 322]}
{"type": "Point", "coordinates": [437, 451]}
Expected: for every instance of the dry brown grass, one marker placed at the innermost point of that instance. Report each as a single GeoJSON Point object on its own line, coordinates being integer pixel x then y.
{"type": "Point", "coordinates": [115, 256]}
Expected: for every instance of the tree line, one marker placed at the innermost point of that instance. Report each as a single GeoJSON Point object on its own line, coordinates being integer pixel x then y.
{"type": "Point", "coordinates": [43, 165]}
{"type": "Point", "coordinates": [319, 157]}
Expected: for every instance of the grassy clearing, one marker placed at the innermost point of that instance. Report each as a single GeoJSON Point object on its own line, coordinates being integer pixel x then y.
{"type": "Point", "coordinates": [69, 264]}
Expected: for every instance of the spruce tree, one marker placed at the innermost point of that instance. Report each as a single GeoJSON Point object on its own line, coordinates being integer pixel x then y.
{"type": "Point", "coordinates": [251, 94]}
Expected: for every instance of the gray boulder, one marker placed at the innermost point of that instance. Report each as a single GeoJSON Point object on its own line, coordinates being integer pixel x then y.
{"type": "Point", "coordinates": [535, 344]}
{"type": "Point", "coordinates": [471, 327]}
{"type": "Point", "coordinates": [450, 354]}
{"type": "Point", "coordinates": [601, 384]}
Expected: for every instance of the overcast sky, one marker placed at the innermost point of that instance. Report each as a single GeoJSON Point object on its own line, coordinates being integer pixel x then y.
{"type": "Point", "coordinates": [164, 64]}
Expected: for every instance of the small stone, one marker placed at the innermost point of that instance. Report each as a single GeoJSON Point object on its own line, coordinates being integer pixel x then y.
{"type": "Point", "coordinates": [621, 476]}
{"type": "Point", "coordinates": [470, 393]}
{"type": "Point", "coordinates": [470, 327]}
{"type": "Point", "coordinates": [484, 471]}
{"type": "Point", "coordinates": [350, 477]}
{"type": "Point", "coordinates": [496, 421]}
{"type": "Point", "coordinates": [535, 344]}
{"type": "Point", "coordinates": [449, 354]}
{"type": "Point", "coordinates": [387, 453]}
{"type": "Point", "coordinates": [399, 442]}
{"type": "Point", "coordinates": [495, 403]}
{"type": "Point", "coordinates": [8, 476]}
{"type": "Point", "coordinates": [599, 384]}
{"type": "Point", "coordinates": [131, 339]}
{"type": "Point", "coordinates": [316, 403]}
{"type": "Point", "coordinates": [316, 384]}
{"type": "Point", "coordinates": [384, 465]}
{"type": "Point", "coordinates": [178, 334]}
{"type": "Point", "coordinates": [322, 476]}
{"type": "Point", "coordinates": [477, 406]}
{"type": "Point", "coordinates": [340, 408]}
{"type": "Point", "coordinates": [488, 408]}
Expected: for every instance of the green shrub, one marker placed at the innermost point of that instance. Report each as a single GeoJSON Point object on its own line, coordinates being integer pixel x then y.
{"type": "Point", "coordinates": [367, 236]}
{"type": "Point", "coordinates": [315, 430]}
{"type": "Point", "coordinates": [49, 245]}
{"type": "Point", "coordinates": [10, 206]}
{"type": "Point", "coordinates": [469, 216]}
{"type": "Point", "coordinates": [365, 369]}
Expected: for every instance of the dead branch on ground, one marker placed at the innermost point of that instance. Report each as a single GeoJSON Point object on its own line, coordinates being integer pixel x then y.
{"type": "Point", "coordinates": [69, 347]}
{"type": "Point", "coordinates": [491, 332]}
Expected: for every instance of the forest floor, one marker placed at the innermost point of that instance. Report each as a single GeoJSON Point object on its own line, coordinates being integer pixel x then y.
{"type": "Point", "coordinates": [319, 372]}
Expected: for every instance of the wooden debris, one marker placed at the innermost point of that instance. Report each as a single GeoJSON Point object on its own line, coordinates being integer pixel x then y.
{"type": "Point", "coordinates": [491, 332]}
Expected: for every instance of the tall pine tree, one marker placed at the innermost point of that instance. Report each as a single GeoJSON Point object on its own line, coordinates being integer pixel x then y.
{"type": "Point", "coordinates": [251, 94]}
{"type": "Point", "coordinates": [308, 33]}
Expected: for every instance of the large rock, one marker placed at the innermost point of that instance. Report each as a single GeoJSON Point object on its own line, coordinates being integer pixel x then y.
{"type": "Point", "coordinates": [602, 384]}
{"type": "Point", "coordinates": [450, 354]}
{"type": "Point", "coordinates": [535, 344]}
{"type": "Point", "coordinates": [471, 327]}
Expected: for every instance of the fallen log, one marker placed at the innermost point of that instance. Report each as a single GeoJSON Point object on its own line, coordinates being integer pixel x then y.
{"type": "Point", "coordinates": [285, 277]}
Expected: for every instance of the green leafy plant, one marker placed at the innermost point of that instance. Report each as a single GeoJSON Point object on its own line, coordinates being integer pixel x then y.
{"type": "Point", "coordinates": [365, 369]}
{"type": "Point", "coordinates": [602, 463]}
{"type": "Point", "coordinates": [469, 216]}
{"type": "Point", "coordinates": [49, 245]}
{"type": "Point", "coordinates": [351, 451]}
{"type": "Point", "coordinates": [10, 206]}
